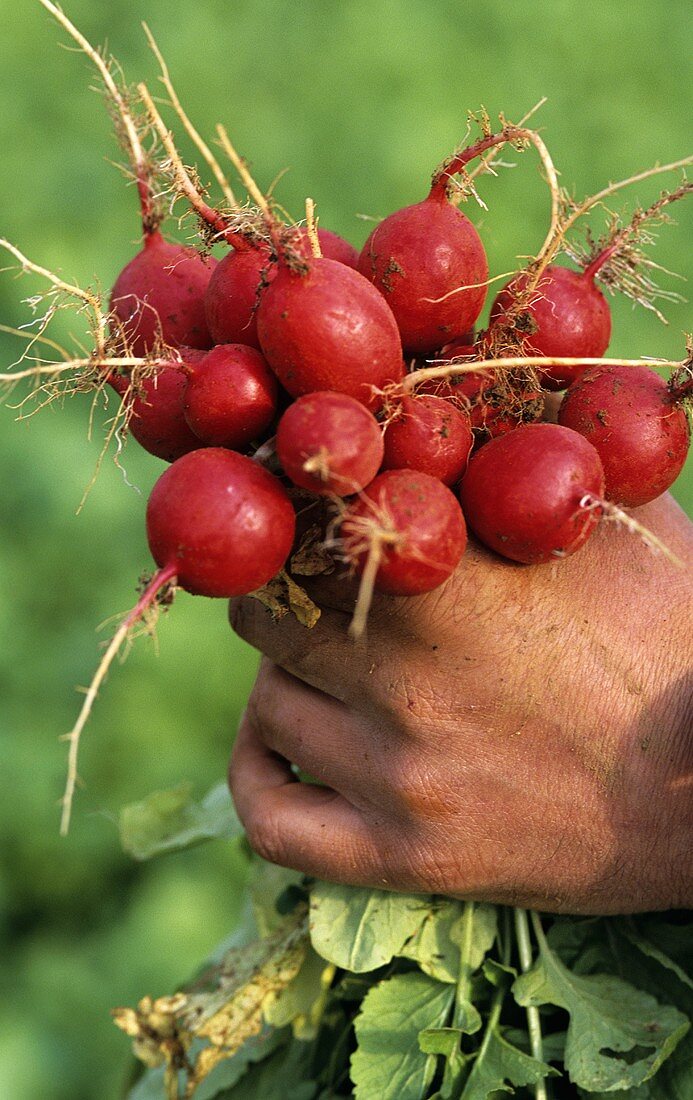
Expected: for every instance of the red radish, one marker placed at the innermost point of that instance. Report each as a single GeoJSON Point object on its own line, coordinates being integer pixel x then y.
{"type": "Point", "coordinates": [637, 423]}
{"type": "Point", "coordinates": [157, 419]}
{"type": "Point", "coordinates": [495, 403]}
{"type": "Point", "coordinates": [222, 522]}
{"type": "Point", "coordinates": [431, 435]}
{"type": "Point", "coordinates": [329, 443]}
{"type": "Point", "coordinates": [565, 315]}
{"type": "Point", "coordinates": [325, 327]}
{"type": "Point", "coordinates": [428, 259]}
{"type": "Point", "coordinates": [334, 247]}
{"type": "Point", "coordinates": [409, 528]}
{"type": "Point", "coordinates": [425, 252]}
{"type": "Point", "coordinates": [231, 397]}
{"type": "Point", "coordinates": [159, 296]}
{"type": "Point", "coordinates": [233, 294]}
{"type": "Point", "coordinates": [524, 493]}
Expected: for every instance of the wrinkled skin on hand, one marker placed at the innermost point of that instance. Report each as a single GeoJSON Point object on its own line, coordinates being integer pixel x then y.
{"type": "Point", "coordinates": [521, 735]}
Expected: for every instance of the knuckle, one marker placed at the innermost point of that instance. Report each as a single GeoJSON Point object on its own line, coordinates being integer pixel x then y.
{"type": "Point", "coordinates": [265, 837]}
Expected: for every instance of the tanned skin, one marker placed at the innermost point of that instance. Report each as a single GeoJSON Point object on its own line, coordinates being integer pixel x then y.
{"type": "Point", "coordinates": [522, 735]}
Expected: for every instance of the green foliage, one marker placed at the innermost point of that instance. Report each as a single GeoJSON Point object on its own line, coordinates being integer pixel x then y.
{"type": "Point", "coordinates": [401, 1025]}
{"type": "Point", "coordinates": [388, 1062]}
{"type": "Point", "coordinates": [361, 930]}
{"type": "Point", "coordinates": [168, 821]}
{"type": "Point", "coordinates": [608, 1018]}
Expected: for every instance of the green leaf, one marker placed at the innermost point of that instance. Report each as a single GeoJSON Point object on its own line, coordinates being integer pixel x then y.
{"type": "Point", "coordinates": [168, 821]}
{"type": "Point", "coordinates": [499, 1066]}
{"type": "Point", "coordinates": [629, 930]}
{"type": "Point", "coordinates": [475, 933]}
{"type": "Point", "coordinates": [388, 1063]}
{"type": "Point", "coordinates": [452, 933]}
{"type": "Point", "coordinates": [285, 1075]}
{"type": "Point", "coordinates": [432, 946]}
{"type": "Point", "coordinates": [440, 1040]}
{"type": "Point", "coordinates": [360, 930]}
{"type": "Point", "coordinates": [608, 1018]}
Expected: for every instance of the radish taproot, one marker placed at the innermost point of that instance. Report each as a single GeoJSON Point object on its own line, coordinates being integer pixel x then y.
{"type": "Point", "coordinates": [563, 314]}
{"type": "Point", "coordinates": [405, 534]}
{"type": "Point", "coordinates": [230, 398]}
{"type": "Point", "coordinates": [233, 294]}
{"type": "Point", "coordinates": [428, 260]}
{"type": "Point", "coordinates": [322, 326]}
{"type": "Point", "coordinates": [525, 494]}
{"type": "Point", "coordinates": [639, 425]}
{"type": "Point", "coordinates": [329, 443]}
{"type": "Point", "coordinates": [221, 521]}
{"type": "Point", "coordinates": [428, 434]}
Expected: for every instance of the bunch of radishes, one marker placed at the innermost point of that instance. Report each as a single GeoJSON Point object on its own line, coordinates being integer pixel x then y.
{"type": "Point", "coordinates": [296, 368]}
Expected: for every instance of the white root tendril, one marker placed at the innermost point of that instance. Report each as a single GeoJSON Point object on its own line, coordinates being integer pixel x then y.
{"type": "Point", "coordinates": [146, 601]}
{"type": "Point", "coordinates": [613, 513]}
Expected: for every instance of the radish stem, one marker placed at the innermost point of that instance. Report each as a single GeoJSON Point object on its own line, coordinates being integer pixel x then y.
{"type": "Point", "coordinates": [524, 947]}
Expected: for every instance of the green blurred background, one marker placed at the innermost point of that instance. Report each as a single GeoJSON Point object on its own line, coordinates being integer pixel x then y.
{"type": "Point", "coordinates": [359, 99]}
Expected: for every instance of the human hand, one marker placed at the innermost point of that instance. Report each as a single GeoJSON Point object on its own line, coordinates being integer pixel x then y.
{"type": "Point", "coordinates": [521, 735]}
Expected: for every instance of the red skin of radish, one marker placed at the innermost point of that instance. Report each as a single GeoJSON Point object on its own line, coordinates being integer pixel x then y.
{"type": "Point", "coordinates": [159, 296]}
{"type": "Point", "coordinates": [430, 435]}
{"type": "Point", "coordinates": [572, 316]}
{"type": "Point", "coordinates": [640, 430]}
{"type": "Point", "coordinates": [329, 329]}
{"type": "Point", "coordinates": [426, 517]}
{"type": "Point", "coordinates": [338, 433]}
{"type": "Point", "coordinates": [231, 397]}
{"type": "Point", "coordinates": [232, 297]}
{"type": "Point", "coordinates": [425, 251]}
{"type": "Point", "coordinates": [521, 494]}
{"type": "Point", "coordinates": [157, 421]}
{"type": "Point", "coordinates": [224, 522]}
{"type": "Point", "coordinates": [491, 411]}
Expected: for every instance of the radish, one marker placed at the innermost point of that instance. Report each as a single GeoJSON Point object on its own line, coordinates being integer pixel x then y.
{"type": "Point", "coordinates": [217, 525]}
{"type": "Point", "coordinates": [329, 443]}
{"type": "Point", "coordinates": [496, 402]}
{"type": "Point", "coordinates": [322, 326]}
{"type": "Point", "coordinates": [557, 312]}
{"type": "Point", "coordinates": [428, 259]}
{"type": "Point", "coordinates": [525, 494]}
{"type": "Point", "coordinates": [431, 435]}
{"type": "Point", "coordinates": [231, 397]}
{"type": "Point", "coordinates": [638, 424]}
{"type": "Point", "coordinates": [425, 252]}
{"type": "Point", "coordinates": [154, 407]}
{"type": "Point", "coordinates": [234, 289]}
{"type": "Point", "coordinates": [564, 314]}
{"type": "Point", "coordinates": [405, 534]}
{"type": "Point", "coordinates": [159, 297]}
{"type": "Point", "coordinates": [222, 523]}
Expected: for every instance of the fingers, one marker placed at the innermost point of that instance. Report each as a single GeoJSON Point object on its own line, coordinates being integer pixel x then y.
{"type": "Point", "coordinates": [312, 829]}
{"type": "Point", "coordinates": [324, 657]}
{"type": "Point", "coordinates": [317, 733]}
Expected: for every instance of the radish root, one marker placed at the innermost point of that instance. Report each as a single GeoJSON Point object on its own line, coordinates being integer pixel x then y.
{"type": "Point", "coordinates": [147, 600]}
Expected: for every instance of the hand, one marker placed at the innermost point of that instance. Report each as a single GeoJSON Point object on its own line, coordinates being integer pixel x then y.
{"type": "Point", "coordinates": [521, 735]}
